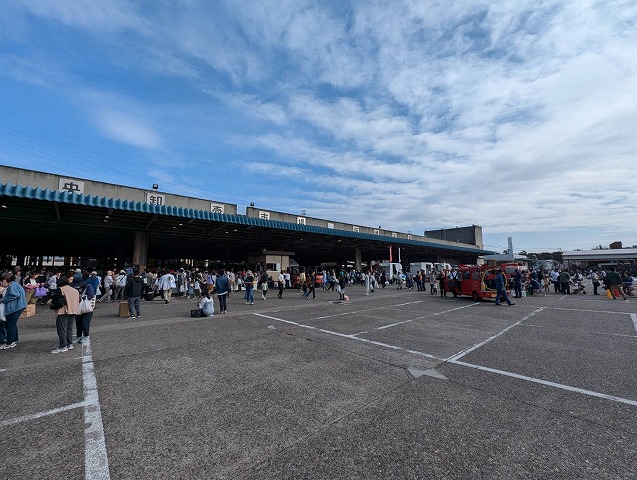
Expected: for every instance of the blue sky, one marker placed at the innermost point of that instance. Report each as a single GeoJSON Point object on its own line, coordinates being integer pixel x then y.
{"type": "Point", "coordinates": [520, 116]}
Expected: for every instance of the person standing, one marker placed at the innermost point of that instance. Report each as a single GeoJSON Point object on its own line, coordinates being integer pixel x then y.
{"type": "Point", "coordinates": [442, 279]}
{"type": "Point", "coordinates": [501, 288]}
{"type": "Point", "coordinates": [281, 283]}
{"type": "Point", "coordinates": [222, 287]}
{"type": "Point", "coordinates": [517, 284]}
{"type": "Point", "coordinates": [166, 284]}
{"type": "Point", "coordinates": [249, 283]}
{"type": "Point", "coordinates": [311, 280]}
{"type": "Point", "coordinates": [287, 276]}
{"type": "Point", "coordinates": [14, 301]}
{"type": "Point", "coordinates": [565, 282]}
{"type": "Point", "coordinates": [264, 285]}
{"type": "Point", "coordinates": [120, 284]}
{"type": "Point", "coordinates": [342, 283]}
{"type": "Point", "coordinates": [133, 291]}
{"type": "Point", "coordinates": [595, 280]}
{"type": "Point", "coordinates": [615, 283]}
{"type": "Point", "coordinates": [66, 314]}
{"type": "Point", "coordinates": [181, 282]}
{"type": "Point", "coordinates": [555, 278]}
{"type": "Point", "coordinates": [83, 321]}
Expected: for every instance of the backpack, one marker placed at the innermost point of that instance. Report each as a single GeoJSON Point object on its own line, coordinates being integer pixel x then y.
{"type": "Point", "coordinates": [58, 300]}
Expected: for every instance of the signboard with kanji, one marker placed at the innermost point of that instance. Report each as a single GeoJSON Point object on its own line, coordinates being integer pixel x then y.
{"type": "Point", "coordinates": [71, 186]}
{"type": "Point", "coordinates": [155, 198]}
{"type": "Point", "coordinates": [217, 207]}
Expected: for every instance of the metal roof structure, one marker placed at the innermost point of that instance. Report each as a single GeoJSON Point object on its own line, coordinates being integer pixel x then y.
{"type": "Point", "coordinates": [610, 255]}
{"type": "Point", "coordinates": [41, 221]}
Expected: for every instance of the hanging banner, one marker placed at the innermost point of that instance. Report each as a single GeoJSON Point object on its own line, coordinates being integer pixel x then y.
{"type": "Point", "coordinates": [390, 257]}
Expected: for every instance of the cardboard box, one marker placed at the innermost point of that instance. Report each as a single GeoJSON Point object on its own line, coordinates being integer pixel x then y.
{"type": "Point", "coordinates": [123, 309]}
{"type": "Point", "coordinates": [29, 311]}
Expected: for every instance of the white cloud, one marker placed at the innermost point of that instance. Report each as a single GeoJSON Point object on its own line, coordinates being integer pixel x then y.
{"type": "Point", "coordinates": [518, 116]}
{"type": "Point", "coordinates": [105, 15]}
{"type": "Point", "coordinates": [125, 128]}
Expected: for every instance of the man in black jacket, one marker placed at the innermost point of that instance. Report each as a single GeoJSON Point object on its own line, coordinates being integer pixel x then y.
{"type": "Point", "coordinates": [133, 291]}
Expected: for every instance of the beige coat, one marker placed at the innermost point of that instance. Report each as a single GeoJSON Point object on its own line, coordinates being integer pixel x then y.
{"type": "Point", "coordinates": [72, 301]}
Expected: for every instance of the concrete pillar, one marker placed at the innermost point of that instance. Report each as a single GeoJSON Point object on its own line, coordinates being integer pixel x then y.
{"type": "Point", "coordinates": [357, 259]}
{"type": "Point", "coordinates": [140, 250]}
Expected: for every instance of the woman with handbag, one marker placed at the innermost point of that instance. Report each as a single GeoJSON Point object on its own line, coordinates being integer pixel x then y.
{"type": "Point", "coordinates": [66, 302]}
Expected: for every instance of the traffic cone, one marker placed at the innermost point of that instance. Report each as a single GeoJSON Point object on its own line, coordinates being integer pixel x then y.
{"type": "Point", "coordinates": [608, 294]}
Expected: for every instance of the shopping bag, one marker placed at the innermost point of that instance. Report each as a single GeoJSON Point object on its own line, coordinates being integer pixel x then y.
{"type": "Point", "coordinates": [40, 292]}
{"type": "Point", "coordinates": [86, 306]}
{"type": "Point", "coordinates": [2, 316]}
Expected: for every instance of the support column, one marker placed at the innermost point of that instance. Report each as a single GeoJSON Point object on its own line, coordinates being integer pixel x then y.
{"type": "Point", "coordinates": [140, 250]}
{"type": "Point", "coordinates": [357, 259]}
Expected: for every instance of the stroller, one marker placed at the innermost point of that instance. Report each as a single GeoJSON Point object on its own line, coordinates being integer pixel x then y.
{"type": "Point", "coordinates": [577, 286]}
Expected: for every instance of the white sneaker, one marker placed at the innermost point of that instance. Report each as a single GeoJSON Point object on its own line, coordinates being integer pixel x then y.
{"type": "Point", "coordinates": [69, 347]}
{"type": "Point", "coordinates": [11, 345]}
{"type": "Point", "coordinates": [59, 350]}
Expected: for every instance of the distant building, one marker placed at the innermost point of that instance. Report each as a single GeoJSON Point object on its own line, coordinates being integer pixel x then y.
{"type": "Point", "coordinates": [471, 235]}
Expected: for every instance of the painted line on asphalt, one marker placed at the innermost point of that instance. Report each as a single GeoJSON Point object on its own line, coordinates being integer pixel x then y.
{"type": "Point", "coordinates": [364, 310]}
{"type": "Point", "coordinates": [35, 416]}
{"type": "Point", "coordinates": [634, 318]}
{"type": "Point", "coordinates": [425, 316]}
{"type": "Point", "coordinates": [462, 353]}
{"type": "Point", "coordinates": [548, 383]}
{"type": "Point", "coordinates": [583, 331]}
{"type": "Point", "coordinates": [349, 336]}
{"type": "Point", "coordinates": [95, 456]}
{"type": "Point", "coordinates": [582, 310]}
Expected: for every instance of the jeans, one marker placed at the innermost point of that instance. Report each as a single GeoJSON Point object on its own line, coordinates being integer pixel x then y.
{"type": "Point", "coordinates": [595, 287]}
{"type": "Point", "coordinates": [249, 294]}
{"type": "Point", "coordinates": [517, 287]}
{"type": "Point", "coordinates": [83, 324]}
{"type": "Point", "coordinates": [64, 326]}
{"type": "Point", "coordinates": [133, 306]}
{"type": "Point", "coordinates": [9, 332]}
{"type": "Point", "coordinates": [502, 293]}
{"type": "Point", "coordinates": [222, 302]}
{"type": "Point", "coordinates": [565, 287]}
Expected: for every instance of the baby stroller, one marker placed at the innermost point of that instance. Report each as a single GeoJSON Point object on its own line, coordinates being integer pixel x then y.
{"type": "Point", "coordinates": [577, 286]}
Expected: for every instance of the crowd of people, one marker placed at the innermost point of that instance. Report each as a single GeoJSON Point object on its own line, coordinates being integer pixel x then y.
{"type": "Point", "coordinates": [73, 293]}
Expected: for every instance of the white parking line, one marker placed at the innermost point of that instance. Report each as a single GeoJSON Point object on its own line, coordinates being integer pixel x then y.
{"type": "Point", "coordinates": [351, 337]}
{"type": "Point", "coordinates": [582, 331]}
{"type": "Point", "coordinates": [462, 353]}
{"type": "Point", "coordinates": [95, 457]}
{"type": "Point", "coordinates": [35, 416]}
{"type": "Point", "coordinates": [455, 358]}
{"type": "Point", "coordinates": [425, 316]}
{"type": "Point", "coordinates": [634, 317]}
{"type": "Point", "coordinates": [548, 383]}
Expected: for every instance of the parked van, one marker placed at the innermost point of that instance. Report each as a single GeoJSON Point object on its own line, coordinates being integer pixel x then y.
{"type": "Point", "coordinates": [426, 267]}
{"type": "Point", "coordinates": [439, 267]}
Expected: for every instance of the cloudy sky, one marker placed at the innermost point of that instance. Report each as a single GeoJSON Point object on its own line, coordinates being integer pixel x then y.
{"type": "Point", "coordinates": [519, 116]}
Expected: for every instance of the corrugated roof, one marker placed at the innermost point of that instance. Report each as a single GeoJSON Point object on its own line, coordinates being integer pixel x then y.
{"type": "Point", "coordinates": [36, 193]}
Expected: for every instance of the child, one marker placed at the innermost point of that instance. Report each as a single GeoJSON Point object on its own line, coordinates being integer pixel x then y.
{"type": "Point", "coordinates": [264, 285]}
{"type": "Point", "coordinates": [197, 288]}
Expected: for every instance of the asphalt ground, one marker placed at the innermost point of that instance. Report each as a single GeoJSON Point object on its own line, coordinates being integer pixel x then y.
{"type": "Point", "coordinates": [399, 384]}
